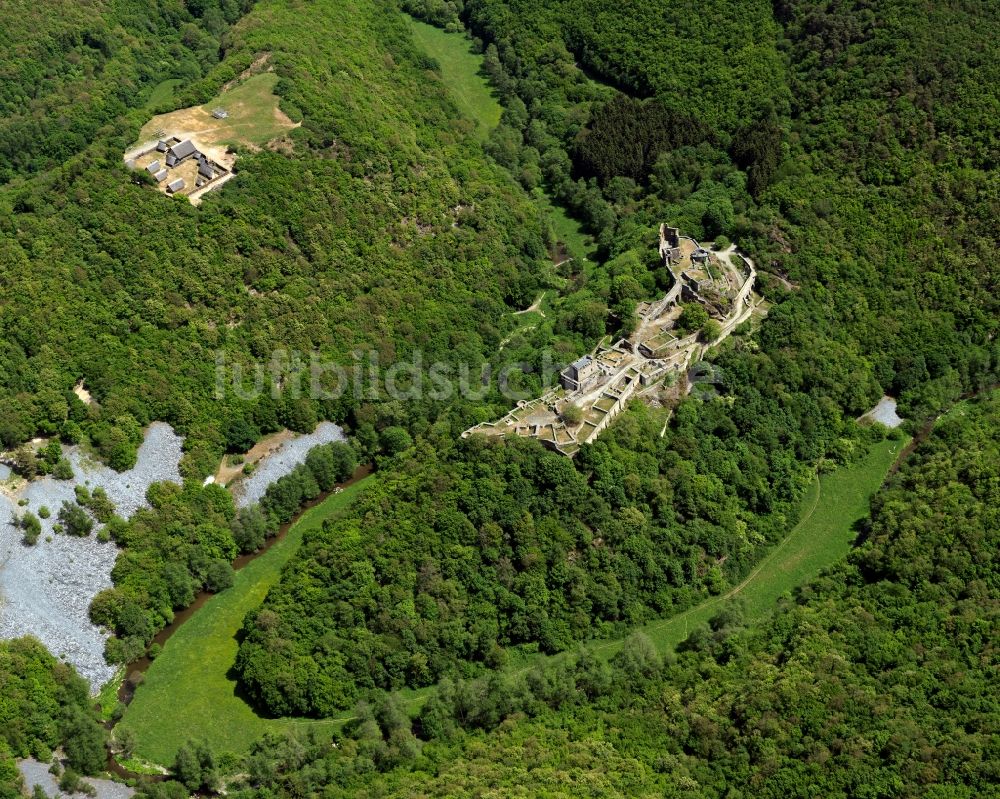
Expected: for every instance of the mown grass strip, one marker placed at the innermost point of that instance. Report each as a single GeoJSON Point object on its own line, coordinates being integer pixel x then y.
{"type": "Point", "coordinates": [824, 535]}
{"type": "Point", "coordinates": [460, 72]}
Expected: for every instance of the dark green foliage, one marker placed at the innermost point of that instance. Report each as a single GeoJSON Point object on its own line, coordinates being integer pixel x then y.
{"type": "Point", "coordinates": [44, 705]}
{"type": "Point", "coordinates": [194, 766]}
{"type": "Point", "coordinates": [625, 136]}
{"type": "Point", "coordinates": [179, 584]}
{"type": "Point", "coordinates": [218, 576]}
{"type": "Point", "coordinates": [97, 503]}
{"type": "Point", "coordinates": [62, 470]}
{"type": "Point", "coordinates": [331, 464]}
{"type": "Point", "coordinates": [693, 317]}
{"type": "Point", "coordinates": [85, 741]}
{"type": "Point", "coordinates": [68, 69]}
{"type": "Point", "coordinates": [359, 217]}
{"type": "Point", "coordinates": [395, 440]}
{"type": "Point", "coordinates": [250, 528]}
{"type": "Point", "coordinates": [848, 149]}
{"type": "Point", "coordinates": [183, 543]}
{"type": "Point", "coordinates": [171, 789]}
{"type": "Point", "coordinates": [186, 541]}
{"type": "Point", "coordinates": [240, 435]}
{"type": "Point", "coordinates": [75, 520]}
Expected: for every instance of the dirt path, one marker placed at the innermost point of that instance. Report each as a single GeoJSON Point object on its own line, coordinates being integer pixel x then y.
{"type": "Point", "coordinates": [195, 196]}
{"type": "Point", "coordinates": [535, 306]}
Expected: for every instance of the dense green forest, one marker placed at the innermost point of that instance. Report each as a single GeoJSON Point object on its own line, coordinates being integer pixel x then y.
{"type": "Point", "coordinates": [850, 148]}
{"type": "Point", "coordinates": [354, 613]}
{"type": "Point", "coordinates": [877, 679]}
{"type": "Point", "coordinates": [860, 169]}
{"type": "Point", "coordinates": [448, 562]}
{"type": "Point", "coordinates": [387, 228]}
{"type": "Point", "coordinates": [44, 704]}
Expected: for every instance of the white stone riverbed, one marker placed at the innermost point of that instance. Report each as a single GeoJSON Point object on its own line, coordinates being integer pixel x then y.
{"type": "Point", "coordinates": [885, 413]}
{"type": "Point", "coordinates": [45, 590]}
{"type": "Point", "coordinates": [36, 773]}
{"type": "Point", "coordinates": [290, 454]}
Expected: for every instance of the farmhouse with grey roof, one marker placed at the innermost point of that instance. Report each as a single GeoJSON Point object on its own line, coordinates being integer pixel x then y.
{"type": "Point", "coordinates": [182, 150]}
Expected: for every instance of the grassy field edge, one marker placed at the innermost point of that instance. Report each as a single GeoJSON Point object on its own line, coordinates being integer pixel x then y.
{"type": "Point", "coordinates": [187, 691]}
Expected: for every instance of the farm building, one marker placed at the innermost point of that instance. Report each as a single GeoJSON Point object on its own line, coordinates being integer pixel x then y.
{"type": "Point", "coordinates": [161, 175]}
{"type": "Point", "coordinates": [182, 150]}
{"type": "Point", "coordinates": [175, 185]}
{"type": "Point", "coordinates": [153, 168]}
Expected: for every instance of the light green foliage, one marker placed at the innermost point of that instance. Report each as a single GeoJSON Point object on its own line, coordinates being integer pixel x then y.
{"type": "Point", "coordinates": [361, 217]}
{"type": "Point", "coordinates": [44, 705]}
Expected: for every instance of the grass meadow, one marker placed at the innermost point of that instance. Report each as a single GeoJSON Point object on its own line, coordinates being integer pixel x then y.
{"type": "Point", "coordinates": [460, 72]}
{"type": "Point", "coordinates": [187, 692]}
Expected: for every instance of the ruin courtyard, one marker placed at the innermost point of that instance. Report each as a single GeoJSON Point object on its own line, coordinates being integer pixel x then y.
{"type": "Point", "coordinates": [595, 388]}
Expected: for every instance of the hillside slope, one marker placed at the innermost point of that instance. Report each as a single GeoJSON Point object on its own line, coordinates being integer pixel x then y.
{"type": "Point", "coordinates": [384, 227]}
{"type": "Point", "coordinates": [67, 68]}
{"type": "Point", "coordinates": [878, 679]}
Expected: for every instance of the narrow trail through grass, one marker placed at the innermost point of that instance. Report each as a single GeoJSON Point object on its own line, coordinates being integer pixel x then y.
{"type": "Point", "coordinates": [188, 693]}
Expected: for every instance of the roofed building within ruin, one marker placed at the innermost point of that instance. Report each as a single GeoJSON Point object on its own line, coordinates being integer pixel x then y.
{"type": "Point", "coordinates": [603, 382]}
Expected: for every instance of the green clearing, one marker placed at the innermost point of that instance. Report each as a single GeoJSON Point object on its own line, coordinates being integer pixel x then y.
{"type": "Point", "coordinates": [163, 92]}
{"type": "Point", "coordinates": [565, 228]}
{"type": "Point", "coordinates": [187, 691]}
{"type": "Point", "coordinates": [253, 110]}
{"type": "Point", "coordinates": [825, 533]}
{"type": "Point", "coordinates": [254, 116]}
{"type": "Point", "coordinates": [460, 72]}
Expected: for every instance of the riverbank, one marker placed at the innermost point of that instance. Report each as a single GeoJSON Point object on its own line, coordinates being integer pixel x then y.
{"type": "Point", "coordinates": [187, 691]}
{"type": "Point", "coordinates": [46, 589]}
